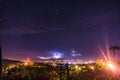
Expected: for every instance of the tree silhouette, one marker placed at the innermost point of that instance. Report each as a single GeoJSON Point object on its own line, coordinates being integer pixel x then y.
{"type": "Point", "coordinates": [1, 54]}
{"type": "Point", "coordinates": [0, 61]}
{"type": "Point", "coordinates": [114, 48]}
{"type": "Point", "coordinates": [67, 68]}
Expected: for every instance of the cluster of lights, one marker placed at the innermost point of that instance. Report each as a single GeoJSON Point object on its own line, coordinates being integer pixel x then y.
{"type": "Point", "coordinates": [77, 67]}
{"type": "Point", "coordinates": [28, 62]}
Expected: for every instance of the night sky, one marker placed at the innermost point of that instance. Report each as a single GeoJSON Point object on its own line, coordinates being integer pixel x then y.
{"type": "Point", "coordinates": [35, 28]}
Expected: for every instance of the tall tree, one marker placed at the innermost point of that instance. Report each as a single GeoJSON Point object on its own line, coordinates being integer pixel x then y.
{"type": "Point", "coordinates": [1, 54]}
{"type": "Point", "coordinates": [67, 68]}
{"type": "Point", "coordinates": [0, 62]}
{"type": "Point", "coordinates": [114, 48]}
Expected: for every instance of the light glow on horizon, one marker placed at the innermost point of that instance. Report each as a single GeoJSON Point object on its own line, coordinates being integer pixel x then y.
{"type": "Point", "coordinates": [111, 66]}
{"type": "Point", "coordinates": [40, 57]}
{"type": "Point", "coordinates": [57, 55]}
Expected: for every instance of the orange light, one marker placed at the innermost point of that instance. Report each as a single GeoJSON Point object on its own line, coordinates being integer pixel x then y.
{"type": "Point", "coordinates": [76, 66]}
{"type": "Point", "coordinates": [111, 66]}
{"type": "Point", "coordinates": [26, 63]}
{"type": "Point", "coordinates": [91, 67]}
{"type": "Point", "coordinates": [28, 59]}
{"type": "Point", "coordinates": [79, 68]}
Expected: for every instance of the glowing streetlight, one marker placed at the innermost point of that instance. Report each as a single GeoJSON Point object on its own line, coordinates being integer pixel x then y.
{"type": "Point", "coordinates": [111, 66]}
{"type": "Point", "coordinates": [26, 63]}
{"type": "Point", "coordinates": [76, 66]}
{"type": "Point", "coordinates": [92, 67]}
{"type": "Point", "coordinates": [79, 68]}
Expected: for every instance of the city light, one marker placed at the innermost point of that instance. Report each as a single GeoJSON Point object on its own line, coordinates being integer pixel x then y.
{"type": "Point", "coordinates": [92, 67]}
{"type": "Point", "coordinates": [76, 66]}
{"type": "Point", "coordinates": [79, 68]}
{"type": "Point", "coordinates": [26, 63]}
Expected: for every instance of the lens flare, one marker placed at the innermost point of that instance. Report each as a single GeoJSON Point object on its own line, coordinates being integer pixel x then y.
{"type": "Point", "coordinates": [111, 66]}
{"type": "Point", "coordinates": [103, 53]}
{"type": "Point", "coordinates": [108, 51]}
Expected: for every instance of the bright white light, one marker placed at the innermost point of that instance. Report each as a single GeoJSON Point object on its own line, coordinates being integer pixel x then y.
{"type": "Point", "coordinates": [57, 55]}
{"type": "Point", "coordinates": [73, 51]}
{"type": "Point", "coordinates": [75, 54]}
{"type": "Point", "coordinates": [76, 66]}
{"type": "Point", "coordinates": [26, 63]}
{"type": "Point", "coordinates": [69, 62]}
{"type": "Point", "coordinates": [44, 57]}
{"type": "Point", "coordinates": [79, 68]}
{"type": "Point", "coordinates": [54, 55]}
{"type": "Point", "coordinates": [91, 67]}
{"type": "Point", "coordinates": [111, 66]}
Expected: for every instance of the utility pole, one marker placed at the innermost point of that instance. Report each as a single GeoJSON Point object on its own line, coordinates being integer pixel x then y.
{"type": "Point", "coordinates": [114, 48]}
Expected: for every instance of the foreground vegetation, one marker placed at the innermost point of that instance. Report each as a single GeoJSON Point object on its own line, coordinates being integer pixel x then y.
{"type": "Point", "coordinates": [38, 71]}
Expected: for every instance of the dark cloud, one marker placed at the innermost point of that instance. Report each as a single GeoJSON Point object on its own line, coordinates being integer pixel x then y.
{"type": "Point", "coordinates": [98, 20]}
{"type": "Point", "coordinates": [29, 30]}
{"type": "Point", "coordinates": [41, 17]}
